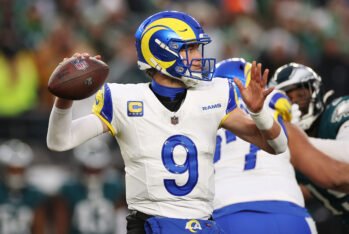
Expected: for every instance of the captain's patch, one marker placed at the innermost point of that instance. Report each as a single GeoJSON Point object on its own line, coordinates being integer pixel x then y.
{"type": "Point", "coordinates": [135, 108]}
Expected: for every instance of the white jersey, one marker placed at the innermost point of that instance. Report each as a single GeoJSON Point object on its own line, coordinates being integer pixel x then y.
{"type": "Point", "coordinates": [244, 173]}
{"type": "Point", "coordinates": [168, 155]}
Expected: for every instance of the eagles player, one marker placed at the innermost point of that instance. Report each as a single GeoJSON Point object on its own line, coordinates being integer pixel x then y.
{"type": "Point", "coordinates": [87, 203]}
{"type": "Point", "coordinates": [22, 206]}
{"type": "Point", "coordinates": [169, 174]}
{"type": "Point", "coordinates": [326, 122]}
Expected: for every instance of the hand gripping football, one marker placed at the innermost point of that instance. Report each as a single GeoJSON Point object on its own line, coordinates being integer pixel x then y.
{"type": "Point", "coordinates": [78, 78]}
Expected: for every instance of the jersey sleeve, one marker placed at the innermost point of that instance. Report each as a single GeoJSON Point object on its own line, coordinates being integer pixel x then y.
{"type": "Point", "coordinates": [233, 98]}
{"type": "Point", "coordinates": [103, 107]}
{"type": "Point", "coordinates": [232, 102]}
{"type": "Point", "coordinates": [334, 116]}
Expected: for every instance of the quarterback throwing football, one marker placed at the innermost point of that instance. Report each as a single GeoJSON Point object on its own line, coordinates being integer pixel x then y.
{"type": "Point", "coordinates": [166, 129]}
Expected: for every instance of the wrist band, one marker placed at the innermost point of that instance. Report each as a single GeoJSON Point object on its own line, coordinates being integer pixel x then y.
{"type": "Point", "coordinates": [263, 119]}
{"type": "Point", "coordinates": [278, 143]}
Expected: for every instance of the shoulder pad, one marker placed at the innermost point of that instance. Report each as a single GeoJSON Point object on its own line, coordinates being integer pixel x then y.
{"type": "Point", "coordinates": [280, 105]}
{"type": "Point", "coordinates": [340, 109]}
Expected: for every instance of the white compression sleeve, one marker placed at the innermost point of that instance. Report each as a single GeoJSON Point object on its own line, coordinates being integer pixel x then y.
{"type": "Point", "coordinates": [265, 121]}
{"type": "Point", "coordinates": [64, 133]}
{"type": "Point", "coordinates": [335, 148]}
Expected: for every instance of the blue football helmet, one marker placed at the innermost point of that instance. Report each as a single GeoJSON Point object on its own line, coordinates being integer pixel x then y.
{"type": "Point", "coordinates": [294, 75]}
{"type": "Point", "coordinates": [161, 37]}
{"type": "Point", "coordinates": [234, 68]}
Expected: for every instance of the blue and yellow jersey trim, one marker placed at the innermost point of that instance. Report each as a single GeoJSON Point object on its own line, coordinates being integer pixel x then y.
{"type": "Point", "coordinates": [247, 73]}
{"type": "Point", "coordinates": [232, 102]}
{"type": "Point", "coordinates": [281, 105]}
{"type": "Point", "coordinates": [103, 107]}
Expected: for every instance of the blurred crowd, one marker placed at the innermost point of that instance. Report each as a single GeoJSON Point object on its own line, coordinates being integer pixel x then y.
{"type": "Point", "coordinates": [36, 35]}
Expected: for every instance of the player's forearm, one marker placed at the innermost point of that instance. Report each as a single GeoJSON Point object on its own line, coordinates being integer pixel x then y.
{"type": "Point", "coordinates": [335, 176]}
{"type": "Point", "coordinates": [271, 131]}
{"type": "Point", "coordinates": [309, 160]}
{"type": "Point", "coordinates": [336, 149]}
{"type": "Point", "coordinates": [343, 184]}
{"type": "Point", "coordinates": [63, 103]}
{"type": "Point", "coordinates": [64, 133]}
{"type": "Point", "coordinates": [342, 179]}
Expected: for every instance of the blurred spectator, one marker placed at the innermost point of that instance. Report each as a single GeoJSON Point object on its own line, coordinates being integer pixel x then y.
{"type": "Point", "coordinates": [200, 10]}
{"type": "Point", "coordinates": [242, 38]}
{"type": "Point", "coordinates": [20, 31]}
{"type": "Point", "coordinates": [279, 48]}
{"type": "Point", "coordinates": [334, 68]}
{"type": "Point", "coordinates": [99, 21]}
{"type": "Point", "coordinates": [123, 66]}
{"type": "Point", "coordinates": [18, 83]}
{"type": "Point", "coordinates": [21, 205]}
{"type": "Point", "coordinates": [239, 6]}
{"type": "Point", "coordinates": [60, 44]}
{"type": "Point", "coordinates": [88, 203]}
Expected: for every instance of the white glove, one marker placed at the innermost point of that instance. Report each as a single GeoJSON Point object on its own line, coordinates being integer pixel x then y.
{"type": "Point", "coordinates": [296, 114]}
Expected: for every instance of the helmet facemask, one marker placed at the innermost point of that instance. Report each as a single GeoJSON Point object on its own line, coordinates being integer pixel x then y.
{"type": "Point", "coordinates": [188, 68]}
{"type": "Point", "coordinates": [301, 76]}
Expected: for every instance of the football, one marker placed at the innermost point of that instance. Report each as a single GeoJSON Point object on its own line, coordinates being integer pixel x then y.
{"type": "Point", "coordinates": [78, 78]}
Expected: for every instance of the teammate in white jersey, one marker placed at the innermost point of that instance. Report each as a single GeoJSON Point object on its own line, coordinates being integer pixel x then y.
{"type": "Point", "coordinates": [263, 195]}
{"type": "Point", "coordinates": [166, 129]}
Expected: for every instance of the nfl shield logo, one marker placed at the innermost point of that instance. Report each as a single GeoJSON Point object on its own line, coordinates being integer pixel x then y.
{"type": "Point", "coordinates": [80, 64]}
{"type": "Point", "coordinates": [174, 120]}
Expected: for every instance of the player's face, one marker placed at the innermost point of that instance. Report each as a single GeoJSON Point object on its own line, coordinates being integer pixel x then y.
{"type": "Point", "coordinates": [15, 177]}
{"type": "Point", "coordinates": [192, 52]}
{"type": "Point", "coordinates": [300, 96]}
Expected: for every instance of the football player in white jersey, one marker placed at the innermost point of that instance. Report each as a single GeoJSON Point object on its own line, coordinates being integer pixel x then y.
{"type": "Point", "coordinates": [166, 129]}
{"type": "Point", "coordinates": [263, 195]}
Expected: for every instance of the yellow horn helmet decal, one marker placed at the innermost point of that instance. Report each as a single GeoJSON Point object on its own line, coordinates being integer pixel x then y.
{"type": "Point", "coordinates": [178, 26]}
{"type": "Point", "coordinates": [148, 56]}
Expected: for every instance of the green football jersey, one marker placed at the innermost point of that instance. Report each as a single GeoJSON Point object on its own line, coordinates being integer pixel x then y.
{"type": "Point", "coordinates": [92, 209]}
{"type": "Point", "coordinates": [334, 115]}
{"type": "Point", "coordinates": [17, 209]}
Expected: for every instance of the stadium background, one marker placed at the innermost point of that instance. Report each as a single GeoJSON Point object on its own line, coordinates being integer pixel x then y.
{"type": "Point", "coordinates": [35, 35]}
